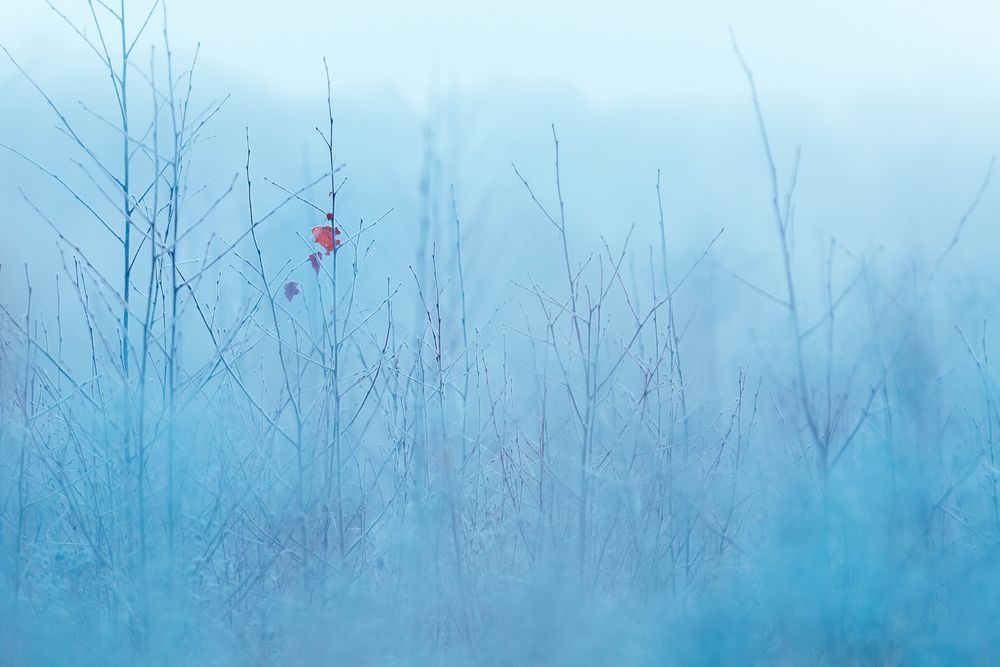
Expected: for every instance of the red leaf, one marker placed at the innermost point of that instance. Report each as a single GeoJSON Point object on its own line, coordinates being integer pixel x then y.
{"type": "Point", "coordinates": [314, 260]}
{"type": "Point", "coordinates": [291, 289]}
{"type": "Point", "coordinates": [324, 237]}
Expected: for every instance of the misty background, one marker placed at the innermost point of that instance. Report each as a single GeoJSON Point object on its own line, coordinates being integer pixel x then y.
{"type": "Point", "coordinates": [870, 538]}
{"type": "Point", "coordinates": [892, 105]}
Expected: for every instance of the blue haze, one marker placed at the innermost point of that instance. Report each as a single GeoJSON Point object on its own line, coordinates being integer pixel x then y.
{"type": "Point", "coordinates": [504, 450]}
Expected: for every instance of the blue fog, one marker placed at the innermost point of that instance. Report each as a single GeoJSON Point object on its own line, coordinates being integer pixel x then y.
{"type": "Point", "coordinates": [644, 404]}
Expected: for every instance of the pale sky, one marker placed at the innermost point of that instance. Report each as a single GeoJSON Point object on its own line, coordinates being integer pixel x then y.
{"type": "Point", "coordinates": [825, 53]}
